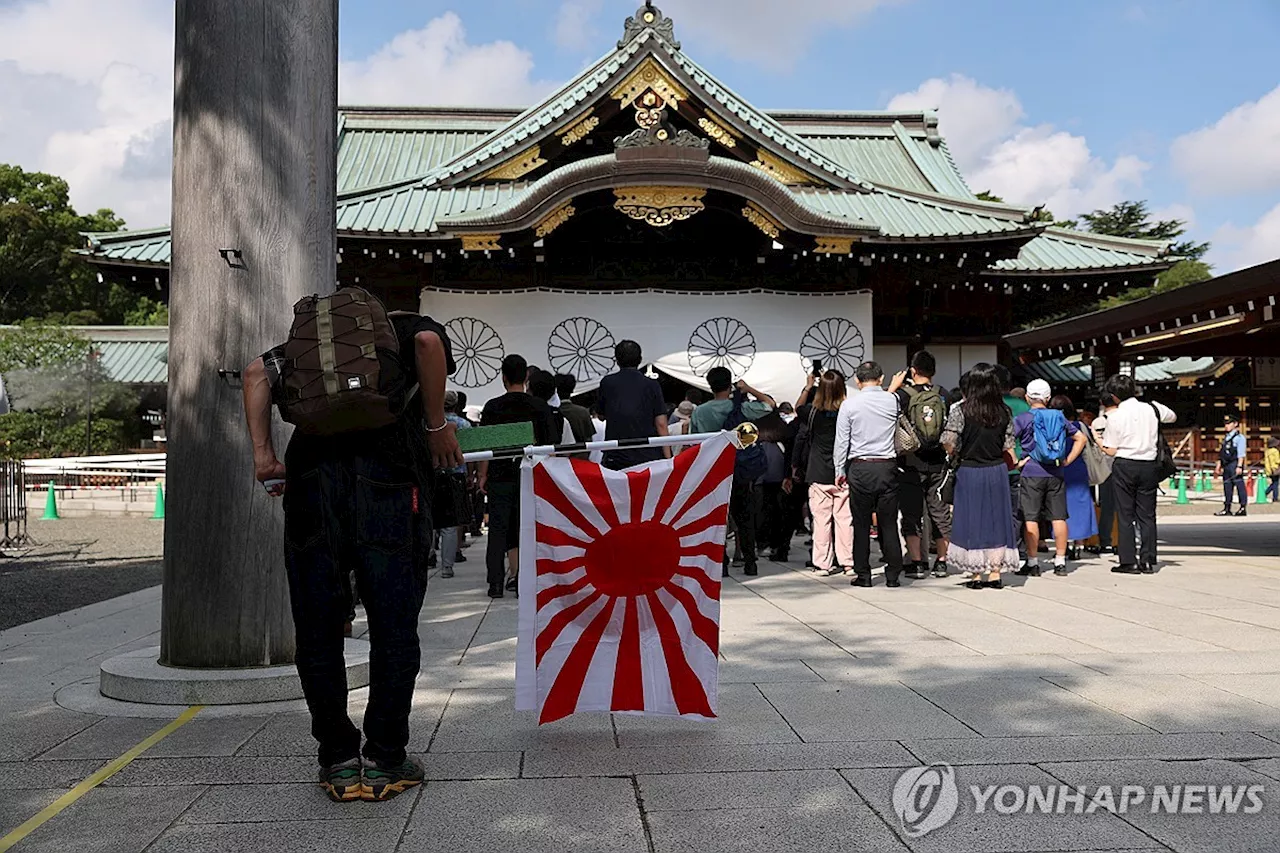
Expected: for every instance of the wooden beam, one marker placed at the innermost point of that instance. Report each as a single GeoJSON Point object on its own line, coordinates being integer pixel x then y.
{"type": "Point", "coordinates": [253, 231]}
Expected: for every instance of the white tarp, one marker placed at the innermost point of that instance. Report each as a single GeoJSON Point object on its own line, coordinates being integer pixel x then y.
{"type": "Point", "coordinates": [764, 337]}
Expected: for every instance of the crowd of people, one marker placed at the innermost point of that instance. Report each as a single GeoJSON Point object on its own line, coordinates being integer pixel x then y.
{"type": "Point", "coordinates": [978, 476]}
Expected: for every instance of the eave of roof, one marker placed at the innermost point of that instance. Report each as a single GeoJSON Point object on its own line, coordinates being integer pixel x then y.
{"type": "Point", "coordinates": [1060, 251]}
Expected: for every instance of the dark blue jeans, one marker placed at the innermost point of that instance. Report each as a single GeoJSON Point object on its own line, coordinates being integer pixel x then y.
{"type": "Point", "coordinates": [357, 514]}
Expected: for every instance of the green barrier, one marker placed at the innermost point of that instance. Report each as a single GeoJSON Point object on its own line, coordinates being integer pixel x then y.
{"type": "Point", "coordinates": [158, 515]}
{"type": "Point", "coordinates": [498, 437]}
{"type": "Point", "coordinates": [1182, 489]}
{"type": "Point", "coordinates": [1260, 489]}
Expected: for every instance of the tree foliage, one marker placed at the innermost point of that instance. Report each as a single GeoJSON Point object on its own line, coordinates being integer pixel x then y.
{"type": "Point", "coordinates": [1133, 219]}
{"type": "Point", "coordinates": [40, 274]}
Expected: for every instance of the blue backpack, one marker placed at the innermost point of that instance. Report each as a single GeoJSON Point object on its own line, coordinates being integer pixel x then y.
{"type": "Point", "coordinates": [1050, 446]}
{"type": "Point", "coordinates": [752, 463]}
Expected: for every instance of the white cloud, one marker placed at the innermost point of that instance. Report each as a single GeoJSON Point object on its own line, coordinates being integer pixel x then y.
{"type": "Point", "coordinates": [89, 96]}
{"type": "Point", "coordinates": [1239, 153]}
{"type": "Point", "coordinates": [764, 31]}
{"type": "Point", "coordinates": [1028, 165]}
{"type": "Point", "coordinates": [437, 65]}
{"type": "Point", "coordinates": [575, 27]}
{"type": "Point", "coordinates": [1235, 247]}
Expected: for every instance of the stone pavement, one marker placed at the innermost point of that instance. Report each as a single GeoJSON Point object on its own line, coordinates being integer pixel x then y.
{"type": "Point", "coordinates": [828, 694]}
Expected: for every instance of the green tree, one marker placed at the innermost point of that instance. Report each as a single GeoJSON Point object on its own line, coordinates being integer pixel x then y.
{"type": "Point", "coordinates": [40, 273]}
{"type": "Point", "coordinates": [1133, 219]}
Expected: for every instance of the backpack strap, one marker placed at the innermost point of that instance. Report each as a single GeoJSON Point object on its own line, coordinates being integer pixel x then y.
{"type": "Point", "coordinates": [328, 353]}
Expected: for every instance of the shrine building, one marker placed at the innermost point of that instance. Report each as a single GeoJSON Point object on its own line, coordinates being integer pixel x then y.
{"type": "Point", "coordinates": [645, 199]}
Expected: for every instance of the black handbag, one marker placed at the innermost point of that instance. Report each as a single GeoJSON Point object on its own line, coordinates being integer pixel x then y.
{"type": "Point", "coordinates": [1165, 463]}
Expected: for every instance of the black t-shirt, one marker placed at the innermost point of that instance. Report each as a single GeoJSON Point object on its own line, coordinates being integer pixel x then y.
{"type": "Point", "coordinates": [402, 444]}
{"type": "Point", "coordinates": [629, 402]}
{"type": "Point", "coordinates": [517, 407]}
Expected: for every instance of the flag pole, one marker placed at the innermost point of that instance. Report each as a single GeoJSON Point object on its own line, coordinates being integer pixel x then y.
{"type": "Point", "coordinates": [746, 439]}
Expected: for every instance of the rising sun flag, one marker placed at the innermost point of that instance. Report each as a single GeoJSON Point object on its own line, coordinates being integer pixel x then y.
{"type": "Point", "coordinates": [620, 584]}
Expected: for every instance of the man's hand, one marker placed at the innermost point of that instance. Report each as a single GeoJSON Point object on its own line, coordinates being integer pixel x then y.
{"type": "Point", "coordinates": [899, 379]}
{"type": "Point", "coordinates": [268, 468]}
{"type": "Point", "coordinates": [443, 444]}
{"type": "Point", "coordinates": [788, 485]}
{"type": "Point", "coordinates": [742, 386]}
{"type": "Point", "coordinates": [482, 481]}
{"type": "Point", "coordinates": [841, 481]}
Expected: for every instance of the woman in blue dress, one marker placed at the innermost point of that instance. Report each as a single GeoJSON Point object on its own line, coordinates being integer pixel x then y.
{"type": "Point", "coordinates": [1082, 518]}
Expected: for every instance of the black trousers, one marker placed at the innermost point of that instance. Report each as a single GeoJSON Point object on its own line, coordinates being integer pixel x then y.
{"type": "Point", "coordinates": [357, 514]}
{"type": "Point", "coordinates": [777, 518]}
{"type": "Point", "coordinates": [873, 488]}
{"type": "Point", "coordinates": [744, 509]}
{"type": "Point", "coordinates": [504, 528]}
{"type": "Point", "coordinates": [1233, 482]}
{"type": "Point", "coordinates": [1019, 520]}
{"type": "Point", "coordinates": [1135, 489]}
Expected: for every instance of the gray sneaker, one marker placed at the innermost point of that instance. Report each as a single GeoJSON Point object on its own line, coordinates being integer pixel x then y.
{"type": "Point", "coordinates": [383, 782]}
{"type": "Point", "coordinates": [446, 573]}
{"type": "Point", "coordinates": [342, 782]}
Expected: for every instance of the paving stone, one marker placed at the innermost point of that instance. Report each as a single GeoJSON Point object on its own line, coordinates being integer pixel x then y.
{"type": "Point", "coordinates": [841, 712]}
{"type": "Point", "coordinates": [853, 828]}
{"type": "Point", "coordinates": [236, 770]}
{"type": "Point", "coordinates": [532, 816]}
{"type": "Point", "coordinates": [1260, 687]}
{"type": "Point", "coordinates": [112, 737]}
{"type": "Point", "coordinates": [330, 836]}
{"type": "Point", "coordinates": [958, 668]}
{"type": "Point", "coordinates": [119, 820]}
{"type": "Point", "coordinates": [1196, 832]}
{"type": "Point", "coordinates": [745, 717]}
{"type": "Point", "coordinates": [286, 802]}
{"type": "Point", "coordinates": [1265, 766]}
{"type": "Point", "coordinates": [714, 758]}
{"type": "Point", "coordinates": [1173, 703]}
{"type": "Point", "coordinates": [30, 729]}
{"type": "Point", "coordinates": [19, 775]}
{"type": "Point", "coordinates": [971, 831]}
{"type": "Point", "coordinates": [1033, 750]}
{"type": "Point", "coordinates": [757, 672]}
{"type": "Point", "coordinates": [486, 721]}
{"type": "Point", "coordinates": [466, 766]}
{"type": "Point", "coordinates": [1187, 663]}
{"type": "Point", "coordinates": [472, 674]}
{"type": "Point", "coordinates": [21, 803]}
{"type": "Point", "coordinates": [1022, 706]}
{"type": "Point", "coordinates": [798, 790]}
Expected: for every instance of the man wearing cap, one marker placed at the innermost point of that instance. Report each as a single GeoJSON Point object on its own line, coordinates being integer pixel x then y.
{"type": "Point", "coordinates": [1043, 491]}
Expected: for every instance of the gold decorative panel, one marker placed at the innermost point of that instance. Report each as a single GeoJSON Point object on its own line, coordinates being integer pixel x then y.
{"type": "Point", "coordinates": [762, 220]}
{"type": "Point", "coordinates": [780, 169]}
{"type": "Point", "coordinates": [580, 129]}
{"type": "Point", "coordinates": [518, 166]}
{"type": "Point", "coordinates": [650, 75]}
{"type": "Point", "coordinates": [554, 220]}
{"type": "Point", "coordinates": [717, 130]}
{"type": "Point", "coordinates": [481, 243]}
{"type": "Point", "coordinates": [834, 245]}
{"type": "Point", "coordinates": [660, 206]}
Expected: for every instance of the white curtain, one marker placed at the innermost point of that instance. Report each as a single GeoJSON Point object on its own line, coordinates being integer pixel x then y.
{"type": "Point", "coordinates": [766, 338]}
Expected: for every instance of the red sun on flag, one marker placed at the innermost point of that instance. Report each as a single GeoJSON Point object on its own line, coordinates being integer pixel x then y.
{"type": "Point", "coordinates": [625, 609]}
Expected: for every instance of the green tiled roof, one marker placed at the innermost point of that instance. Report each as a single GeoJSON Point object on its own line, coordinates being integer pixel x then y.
{"type": "Point", "coordinates": [135, 362]}
{"type": "Point", "coordinates": [369, 157]}
{"type": "Point", "coordinates": [900, 215]}
{"type": "Point", "coordinates": [1074, 372]}
{"type": "Point", "coordinates": [150, 247]}
{"type": "Point", "coordinates": [1059, 250]}
{"type": "Point", "coordinates": [415, 209]}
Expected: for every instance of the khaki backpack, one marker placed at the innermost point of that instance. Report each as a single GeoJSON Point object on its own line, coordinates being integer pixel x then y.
{"type": "Point", "coordinates": [341, 370]}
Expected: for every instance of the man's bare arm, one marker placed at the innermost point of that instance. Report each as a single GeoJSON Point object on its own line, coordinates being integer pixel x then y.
{"type": "Point", "coordinates": [257, 414]}
{"type": "Point", "coordinates": [660, 428]}
{"type": "Point", "coordinates": [429, 356]}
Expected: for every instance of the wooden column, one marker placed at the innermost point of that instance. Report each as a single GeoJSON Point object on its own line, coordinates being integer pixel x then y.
{"type": "Point", "coordinates": [254, 135]}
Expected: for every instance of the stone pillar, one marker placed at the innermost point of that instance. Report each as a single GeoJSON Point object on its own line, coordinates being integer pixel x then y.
{"type": "Point", "coordinates": [254, 136]}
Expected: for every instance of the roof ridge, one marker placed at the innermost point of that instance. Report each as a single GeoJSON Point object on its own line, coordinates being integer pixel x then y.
{"type": "Point", "coordinates": [1104, 239]}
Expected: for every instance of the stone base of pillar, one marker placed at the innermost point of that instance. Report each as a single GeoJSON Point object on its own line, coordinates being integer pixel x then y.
{"type": "Point", "coordinates": [138, 677]}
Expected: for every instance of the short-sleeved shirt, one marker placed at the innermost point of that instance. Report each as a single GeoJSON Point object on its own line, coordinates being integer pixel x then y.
{"type": "Point", "coordinates": [711, 415]}
{"type": "Point", "coordinates": [1024, 427]}
{"type": "Point", "coordinates": [977, 446]}
{"type": "Point", "coordinates": [629, 402]}
{"type": "Point", "coordinates": [461, 423]}
{"type": "Point", "coordinates": [402, 444]}
{"type": "Point", "coordinates": [517, 407]}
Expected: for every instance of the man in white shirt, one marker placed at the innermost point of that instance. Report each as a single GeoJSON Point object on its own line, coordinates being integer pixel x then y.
{"type": "Point", "coordinates": [1132, 436]}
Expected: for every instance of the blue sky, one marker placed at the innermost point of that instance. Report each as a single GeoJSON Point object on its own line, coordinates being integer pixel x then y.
{"type": "Point", "coordinates": [1078, 104]}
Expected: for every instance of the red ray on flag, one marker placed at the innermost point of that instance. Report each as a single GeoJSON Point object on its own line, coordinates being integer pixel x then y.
{"type": "Point", "coordinates": [623, 613]}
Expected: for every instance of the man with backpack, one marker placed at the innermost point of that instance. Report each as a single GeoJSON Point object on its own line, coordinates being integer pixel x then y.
{"type": "Point", "coordinates": [728, 408]}
{"type": "Point", "coordinates": [1051, 443]}
{"type": "Point", "coordinates": [924, 471]}
{"type": "Point", "coordinates": [365, 391]}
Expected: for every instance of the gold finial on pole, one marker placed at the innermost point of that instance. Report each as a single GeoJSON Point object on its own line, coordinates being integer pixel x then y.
{"type": "Point", "coordinates": [748, 435]}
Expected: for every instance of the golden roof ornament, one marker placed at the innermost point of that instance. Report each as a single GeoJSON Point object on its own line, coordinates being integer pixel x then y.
{"type": "Point", "coordinates": [649, 17]}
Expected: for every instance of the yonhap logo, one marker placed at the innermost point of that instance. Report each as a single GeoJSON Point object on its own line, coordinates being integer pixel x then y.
{"type": "Point", "coordinates": [926, 798]}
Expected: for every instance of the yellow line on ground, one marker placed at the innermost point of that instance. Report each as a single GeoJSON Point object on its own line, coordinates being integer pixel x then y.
{"type": "Point", "coordinates": [99, 776]}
